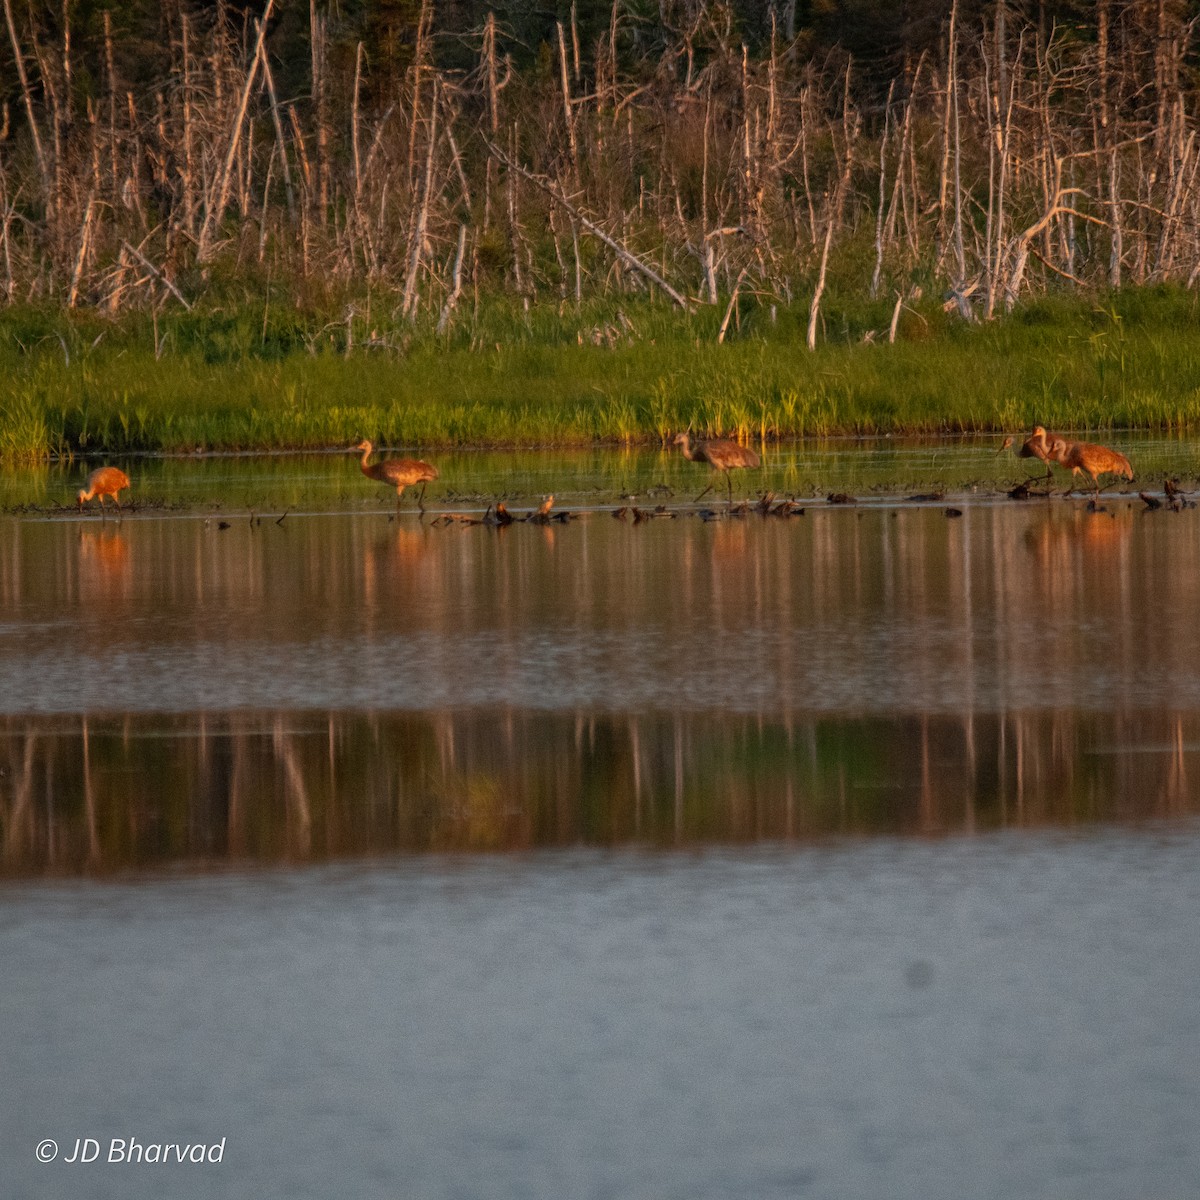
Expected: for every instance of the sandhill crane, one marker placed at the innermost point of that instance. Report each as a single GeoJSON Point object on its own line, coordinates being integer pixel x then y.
{"type": "Point", "coordinates": [104, 481]}
{"type": "Point", "coordinates": [720, 454]}
{"type": "Point", "coordinates": [1037, 445]}
{"type": "Point", "coordinates": [397, 472]}
{"type": "Point", "coordinates": [1089, 458]}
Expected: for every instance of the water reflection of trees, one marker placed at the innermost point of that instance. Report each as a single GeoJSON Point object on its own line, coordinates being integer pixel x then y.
{"type": "Point", "coordinates": [854, 610]}
{"type": "Point", "coordinates": [108, 794]}
{"type": "Point", "coordinates": [1028, 665]}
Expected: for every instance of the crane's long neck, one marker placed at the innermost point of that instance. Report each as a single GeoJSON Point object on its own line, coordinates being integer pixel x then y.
{"type": "Point", "coordinates": [366, 470]}
{"type": "Point", "coordinates": [685, 444]}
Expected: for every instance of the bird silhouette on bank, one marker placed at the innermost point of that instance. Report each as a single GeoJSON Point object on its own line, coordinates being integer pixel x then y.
{"type": "Point", "coordinates": [104, 481]}
{"type": "Point", "coordinates": [720, 454]}
{"type": "Point", "coordinates": [397, 472]}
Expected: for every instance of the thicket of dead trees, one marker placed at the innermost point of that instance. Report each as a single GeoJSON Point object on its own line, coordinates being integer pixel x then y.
{"type": "Point", "coordinates": [1011, 155]}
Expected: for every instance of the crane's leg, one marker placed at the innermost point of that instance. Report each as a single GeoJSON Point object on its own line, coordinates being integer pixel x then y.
{"type": "Point", "coordinates": [703, 494]}
{"type": "Point", "coordinates": [421, 499]}
{"type": "Point", "coordinates": [729, 485]}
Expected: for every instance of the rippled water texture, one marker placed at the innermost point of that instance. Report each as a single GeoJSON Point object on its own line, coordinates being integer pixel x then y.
{"type": "Point", "coordinates": [1010, 607]}
{"type": "Point", "coordinates": [974, 1020]}
{"type": "Point", "coordinates": [406, 684]}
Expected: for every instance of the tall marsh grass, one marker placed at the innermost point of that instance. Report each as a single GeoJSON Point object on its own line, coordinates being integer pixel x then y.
{"type": "Point", "coordinates": [226, 382]}
{"type": "Point", "coordinates": [25, 436]}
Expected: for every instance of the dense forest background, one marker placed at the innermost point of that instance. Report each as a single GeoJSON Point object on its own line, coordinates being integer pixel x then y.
{"type": "Point", "coordinates": [160, 152]}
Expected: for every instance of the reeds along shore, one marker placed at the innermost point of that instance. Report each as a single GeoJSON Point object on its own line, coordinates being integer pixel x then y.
{"type": "Point", "coordinates": [554, 252]}
{"type": "Point", "coordinates": [1005, 158]}
{"type": "Point", "coordinates": [89, 384]}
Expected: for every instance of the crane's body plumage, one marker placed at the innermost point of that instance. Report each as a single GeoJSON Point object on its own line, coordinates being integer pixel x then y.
{"type": "Point", "coordinates": [1077, 457]}
{"type": "Point", "coordinates": [721, 454]}
{"type": "Point", "coordinates": [397, 472]}
{"type": "Point", "coordinates": [104, 481]}
{"type": "Point", "coordinates": [1090, 459]}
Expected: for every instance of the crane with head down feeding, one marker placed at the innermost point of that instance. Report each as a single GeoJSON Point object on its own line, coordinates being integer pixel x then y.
{"type": "Point", "coordinates": [104, 481]}
{"type": "Point", "coordinates": [397, 472]}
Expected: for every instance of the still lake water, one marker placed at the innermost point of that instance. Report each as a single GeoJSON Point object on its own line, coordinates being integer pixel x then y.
{"type": "Point", "coordinates": [844, 854]}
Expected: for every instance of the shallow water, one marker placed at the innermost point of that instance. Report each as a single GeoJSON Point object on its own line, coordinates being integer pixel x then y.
{"type": "Point", "coordinates": [848, 853]}
{"type": "Point", "coordinates": [1041, 605]}
{"type": "Point", "coordinates": [349, 684]}
{"type": "Point", "coordinates": [471, 479]}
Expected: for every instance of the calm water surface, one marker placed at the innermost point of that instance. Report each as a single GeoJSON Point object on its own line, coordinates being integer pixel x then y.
{"type": "Point", "coordinates": [1006, 1016]}
{"type": "Point", "coordinates": [844, 854]}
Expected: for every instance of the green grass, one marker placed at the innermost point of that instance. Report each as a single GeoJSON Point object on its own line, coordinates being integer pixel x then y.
{"type": "Point", "coordinates": [245, 379]}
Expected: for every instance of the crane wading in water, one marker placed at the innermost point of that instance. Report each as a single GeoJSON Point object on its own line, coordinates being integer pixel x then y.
{"type": "Point", "coordinates": [720, 454]}
{"type": "Point", "coordinates": [1089, 458]}
{"type": "Point", "coordinates": [397, 472]}
{"type": "Point", "coordinates": [1038, 445]}
{"type": "Point", "coordinates": [104, 481]}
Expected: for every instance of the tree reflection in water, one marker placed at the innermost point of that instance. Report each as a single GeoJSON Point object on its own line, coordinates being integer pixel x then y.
{"type": "Point", "coordinates": [94, 794]}
{"type": "Point", "coordinates": [205, 693]}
